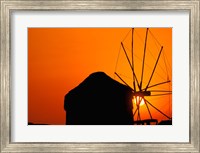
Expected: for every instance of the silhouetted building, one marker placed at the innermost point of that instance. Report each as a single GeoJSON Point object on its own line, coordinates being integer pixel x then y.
{"type": "Point", "coordinates": [99, 100]}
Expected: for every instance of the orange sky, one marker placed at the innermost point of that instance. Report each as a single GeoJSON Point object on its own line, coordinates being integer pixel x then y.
{"type": "Point", "coordinates": [61, 58]}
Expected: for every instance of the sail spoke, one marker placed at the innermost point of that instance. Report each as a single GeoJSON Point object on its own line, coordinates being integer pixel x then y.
{"type": "Point", "coordinates": [122, 80]}
{"type": "Point", "coordinates": [135, 112]}
{"type": "Point", "coordinates": [157, 109]}
{"type": "Point", "coordinates": [134, 87]}
{"type": "Point", "coordinates": [130, 65]}
{"type": "Point", "coordinates": [145, 44]}
{"type": "Point", "coordinates": [162, 94]}
{"type": "Point", "coordinates": [148, 109]}
{"type": "Point", "coordinates": [157, 84]}
{"type": "Point", "coordinates": [154, 68]}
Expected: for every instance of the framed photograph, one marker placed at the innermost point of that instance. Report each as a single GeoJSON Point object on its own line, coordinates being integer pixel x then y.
{"type": "Point", "coordinates": [99, 76]}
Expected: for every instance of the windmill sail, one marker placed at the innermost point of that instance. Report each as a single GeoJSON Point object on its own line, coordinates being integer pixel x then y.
{"type": "Point", "coordinates": [143, 65]}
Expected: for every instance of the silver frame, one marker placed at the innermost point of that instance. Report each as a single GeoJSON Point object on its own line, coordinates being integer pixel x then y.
{"type": "Point", "coordinates": [8, 6]}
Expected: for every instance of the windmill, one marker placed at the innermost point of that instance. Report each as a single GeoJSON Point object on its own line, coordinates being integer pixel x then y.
{"type": "Point", "coordinates": [147, 72]}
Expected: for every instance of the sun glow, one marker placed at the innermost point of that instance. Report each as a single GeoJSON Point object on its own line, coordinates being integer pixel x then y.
{"type": "Point", "coordinates": [137, 100]}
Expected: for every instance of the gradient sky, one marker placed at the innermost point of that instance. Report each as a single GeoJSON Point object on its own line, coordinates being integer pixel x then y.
{"type": "Point", "coordinates": [59, 59]}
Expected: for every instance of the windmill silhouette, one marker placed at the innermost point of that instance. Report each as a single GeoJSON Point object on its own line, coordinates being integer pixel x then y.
{"type": "Point", "coordinates": [142, 74]}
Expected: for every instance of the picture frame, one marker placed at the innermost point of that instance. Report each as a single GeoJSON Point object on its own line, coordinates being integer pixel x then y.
{"type": "Point", "coordinates": [7, 7]}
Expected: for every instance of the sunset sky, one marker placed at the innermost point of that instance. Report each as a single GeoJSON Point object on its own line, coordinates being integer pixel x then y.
{"type": "Point", "coordinates": [59, 59]}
